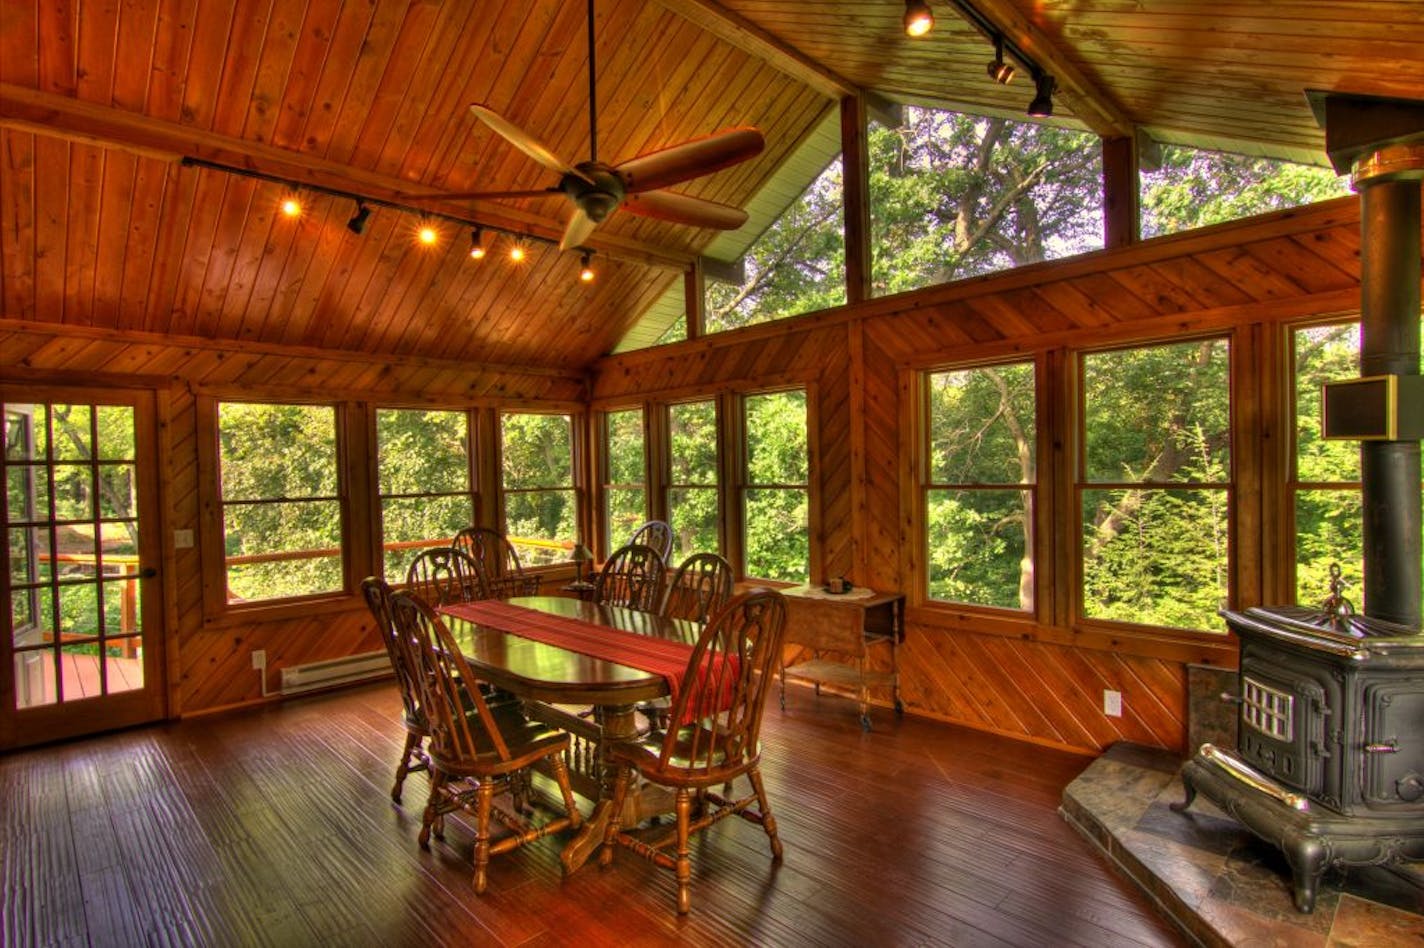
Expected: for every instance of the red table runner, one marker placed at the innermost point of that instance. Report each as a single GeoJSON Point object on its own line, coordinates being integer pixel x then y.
{"type": "Point", "coordinates": [643, 652]}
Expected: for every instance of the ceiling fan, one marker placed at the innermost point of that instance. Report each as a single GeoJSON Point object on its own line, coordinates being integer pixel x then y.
{"type": "Point", "coordinates": [596, 189]}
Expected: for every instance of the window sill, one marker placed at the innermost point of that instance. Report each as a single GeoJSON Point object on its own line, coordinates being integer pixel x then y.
{"type": "Point", "coordinates": [246, 613]}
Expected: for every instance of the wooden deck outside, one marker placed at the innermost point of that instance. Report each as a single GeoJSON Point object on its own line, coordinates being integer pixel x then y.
{"type": "Point", "coordinates": [275, 828]}
{"type": "Point", "coordinates": [79, 677]}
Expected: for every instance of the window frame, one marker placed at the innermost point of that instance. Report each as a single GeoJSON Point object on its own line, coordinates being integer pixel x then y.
{"type": "Point", "coordinates": [348, 423]}
{"type": "Point", "coordinates": [744, 482]}
{"type": "Point", "coordinates": [1079, 484]}
{"type": "Point", "coordinates": [1036, 544]}
{"type": "Point", "coordinates": [474, 489]}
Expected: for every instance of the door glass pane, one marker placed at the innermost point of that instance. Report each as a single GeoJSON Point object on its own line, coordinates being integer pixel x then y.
{"type": "Point", "coordinates": [73, 441]}
{"type": "Point", "coordinates": [116, 433]}
{"type": "Point", "coordinates": [123, 661]}
{"type": "Point", "coordinates": [35, 679]}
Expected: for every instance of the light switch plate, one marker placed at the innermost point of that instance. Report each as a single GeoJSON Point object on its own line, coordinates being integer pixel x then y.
{"type": "Point", "coordinates": [1112, 703]}
{"type": "Point", "coordinates": [182, 539]}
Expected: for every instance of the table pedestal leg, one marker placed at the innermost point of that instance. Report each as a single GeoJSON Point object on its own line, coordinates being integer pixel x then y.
{"type": "Point", "coordinates": [619, 723]}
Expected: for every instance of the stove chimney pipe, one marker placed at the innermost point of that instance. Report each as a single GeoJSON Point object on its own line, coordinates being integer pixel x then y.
{"type": "Point", "coordinates": [1381, 142]}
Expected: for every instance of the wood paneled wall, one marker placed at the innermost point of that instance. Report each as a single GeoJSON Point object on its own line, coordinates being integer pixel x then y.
{"type": "Point", "coordinates": [209, 665]}
{"type": "Point", "coordinates": [1037, 681]}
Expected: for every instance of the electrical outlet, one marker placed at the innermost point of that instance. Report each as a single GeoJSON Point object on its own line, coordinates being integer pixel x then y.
{"type": "Point", "coordinates": [182, 539]}
{"type": "Point", "coordinates": [1112, 703]}
{"type": "Point", "coordinates": [259, 659]}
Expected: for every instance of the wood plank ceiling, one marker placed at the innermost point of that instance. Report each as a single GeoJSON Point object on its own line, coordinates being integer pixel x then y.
{"type": "Point", "coordinates": [102, 226]}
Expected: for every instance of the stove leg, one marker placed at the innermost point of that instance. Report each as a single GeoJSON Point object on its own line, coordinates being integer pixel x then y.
{"type": "Point", "coordinates": [1191, 795]}
{"type": "Point", "coordinates": [1307, 862]}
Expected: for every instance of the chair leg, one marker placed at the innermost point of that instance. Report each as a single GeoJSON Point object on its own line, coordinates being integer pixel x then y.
{"type": "Point", "coordinates": [412, 741]}
{"type": "Point", "coordinates": [683, 806]}
{"type": "Point", "coordinates": [768, 822]}
{"type": "Point", "coordinates": [610, 834]}
{"type": "Point", "coordinates": [484, 798]}
{"type": "Point", "coordinates": [427, 822]}
{"type": "Point", "coordinates": [561, 777]}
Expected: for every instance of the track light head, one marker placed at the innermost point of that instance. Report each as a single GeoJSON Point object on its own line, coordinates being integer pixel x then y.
{"type": "Point", "coordinates": [357, 223]}
{"type": "Point", "coordinates": [1000, 71]}
{"type": "Point", "coordinates": [586, 273]}
{"type": "Point", "coordinates": [1043, 88]}
{"type": "Point", "coordinates": [918, 18]}
{"type": "Point", "coordinates": [477, 244]}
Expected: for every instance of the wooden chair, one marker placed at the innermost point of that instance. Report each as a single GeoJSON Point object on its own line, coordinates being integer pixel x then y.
{"type": "Point", "coordinates": [476, 752]}
{"type": "Point", "coordinates": [443, 575]}
{"type": "Point", "coordinates": [717, 718]}
{"type": "Point", "coordinates": [699, 589]}
{"type": "Point", "coordinates": [502, 569]}
{"type": "Point", "coordinates": [656, 534]}
{"type": "Point", "coordinates": [377, 593]}
{"type": "Point", "coordinates": [633, 576]}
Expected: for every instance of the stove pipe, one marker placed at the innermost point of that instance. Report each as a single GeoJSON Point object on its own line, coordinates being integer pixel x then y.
{"type": "Point", "coordinates": [1388, 180]}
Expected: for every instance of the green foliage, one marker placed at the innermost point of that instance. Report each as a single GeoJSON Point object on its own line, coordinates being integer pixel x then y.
{"type": "Point", "coordinates": [423, 471]}
{"type": "Point", "coordinates": [536, 452]}
{"type": "Point", "coordinates": [280, 494]}
{"type": "Point", "coordinates": [1196, 188]}
{"type": "Point", "coordinates": [775, 518]}
{"type": "Point", "coordinates": [692, 494]}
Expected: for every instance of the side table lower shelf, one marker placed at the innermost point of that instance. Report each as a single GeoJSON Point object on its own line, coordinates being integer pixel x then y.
{"type": "Point", "coordinates": [849, 627]}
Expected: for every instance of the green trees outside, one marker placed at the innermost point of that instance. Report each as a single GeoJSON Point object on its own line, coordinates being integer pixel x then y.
{"type": "Point", "coordinates": [423, 475]}
{"type": "Point", "coordinates": [692, 480]}
{"type": "Point", "coordinates": [537, 457]}
{"type": "Point", "coordinates": [777, 500]}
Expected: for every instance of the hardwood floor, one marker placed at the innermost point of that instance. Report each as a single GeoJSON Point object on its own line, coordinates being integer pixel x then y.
{"type": "Point", "coordinates": [276, 828]}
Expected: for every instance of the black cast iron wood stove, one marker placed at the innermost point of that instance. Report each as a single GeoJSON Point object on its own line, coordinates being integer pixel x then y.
{"type": "Point", "coordinates": [1330, 766]}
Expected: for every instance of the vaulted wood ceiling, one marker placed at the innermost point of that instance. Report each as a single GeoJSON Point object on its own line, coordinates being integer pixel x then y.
{"type": "Point", "coordinates": [101, 224]}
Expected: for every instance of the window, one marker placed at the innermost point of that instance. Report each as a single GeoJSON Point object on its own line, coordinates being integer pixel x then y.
{"type": "Point", "coordinates": [280, 499]}
{"type": "Point", "coordinates": [692, 501]}
{"type": "Point", "coordinates": [540, 507]}
{"type": "Point", "coordinates": [955, 195]}
{"type": "Point", "coordinates": [776, 499]}
{"type": "Point", "coordinates": [1155, 484]}
{"type": "Point", "coordinates": [1193, 188]}
{"type": "Point", "coordinates": [979, 493]}
{"type": "Point", "coordinates": [423, 482]}
{"type": "Point", "coordinates": [625, 496]}
{"type": "Point", "coordinates": [796, 266]}
{"type": "Point", "coordinates": [1326, 484]}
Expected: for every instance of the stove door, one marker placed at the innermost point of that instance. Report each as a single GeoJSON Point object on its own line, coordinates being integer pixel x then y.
{"type": "Point", "coordinates": [1393, 746]}
{"type": "Point", "coordinates": [1285, 705]}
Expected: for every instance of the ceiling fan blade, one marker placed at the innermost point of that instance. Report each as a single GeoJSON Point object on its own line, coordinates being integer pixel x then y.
{"type": "Point", "coordinates": [580, 226]}
{"type": "Point", "coordinates": [478, 195]}
{"type": "Point", "coordinates": [692, 159]}
{"type": "Point", "coordinates": [682, 209]}
{"type": "Point", "coordinates": [525, 142]}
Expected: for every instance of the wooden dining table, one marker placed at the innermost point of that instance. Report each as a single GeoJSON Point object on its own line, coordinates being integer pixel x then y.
{"type": "Point", "coordinates": [557, 682]}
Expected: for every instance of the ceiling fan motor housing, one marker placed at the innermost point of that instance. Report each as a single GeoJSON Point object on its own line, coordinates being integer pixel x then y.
{"type": "Point", "coordinates": [599, 193]}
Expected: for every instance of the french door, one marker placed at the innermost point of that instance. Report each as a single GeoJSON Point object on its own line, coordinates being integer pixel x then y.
{"type": "Point", "coordinates": [82, 646]}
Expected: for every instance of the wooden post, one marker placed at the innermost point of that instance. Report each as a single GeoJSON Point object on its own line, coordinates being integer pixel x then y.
{"type": "Point", "coordinates": [694, 295]}
{"type": "Point", "coordinates": [1121, 189]}
{"type": "Point", "coordinates": [855, 165]}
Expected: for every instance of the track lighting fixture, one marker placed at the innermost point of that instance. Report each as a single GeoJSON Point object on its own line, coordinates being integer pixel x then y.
{"type": "Point", "coordinates": [918, 18]}
{"type": "Point", "coordinates": [477, 244]}
{"type": "Point", "coordinates": [1043, 88]}
{"type": "Point", "coordinates": [357, 223]}
{"type": "Point", "coordinates": [1000, 71]}
{"type": "Point", "coordinates": [586, 273]}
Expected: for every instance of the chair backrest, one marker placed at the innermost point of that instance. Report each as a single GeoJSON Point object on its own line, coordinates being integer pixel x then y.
{"type": "Point", "coordinates": [443, 575]}
{"type": "Point", "coordinates": [632, 576]}
{"type": "Point", "coordinates": [491, 550]}
{"type": "Point", "coordinates": [460, 724]}
{"type": "Point", "coordinates": [723, 691]}
{"type": "Point", "coordinates": [656, 534]}
{"type": "Point", "coordinates": [377, 593]}
{"type": "Point", "coordinates": [699, 589]}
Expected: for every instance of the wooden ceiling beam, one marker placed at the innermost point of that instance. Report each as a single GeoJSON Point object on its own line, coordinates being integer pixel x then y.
{"type": "Point", "coordinates": [1089, 103]}
{"type": "Point", "coordinates": [74, 119]}
{"type": "Point", "coordinates": [731, 27]}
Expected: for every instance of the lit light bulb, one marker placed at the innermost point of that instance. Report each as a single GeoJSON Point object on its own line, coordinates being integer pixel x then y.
{"type": "Point", "coordinates": [427, 234]}
{"type": "Point", "coordinates": [291, 207]}
{"type": "Point", "coordinates": [477, 245]}
{"type": "Point", "coordinates": [918, 18]}
{"type": "Point", "coordinates": [586, 273]}
{"type": "Point", "coordinates": [516, 252]}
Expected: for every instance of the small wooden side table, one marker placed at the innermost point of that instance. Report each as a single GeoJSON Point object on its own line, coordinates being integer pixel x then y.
{"type": "Point", "coordinates": [848, 624]}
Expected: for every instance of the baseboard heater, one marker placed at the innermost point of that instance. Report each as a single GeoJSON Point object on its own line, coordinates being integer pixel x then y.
{"type": "Point", "coordinates": [335, 671]}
